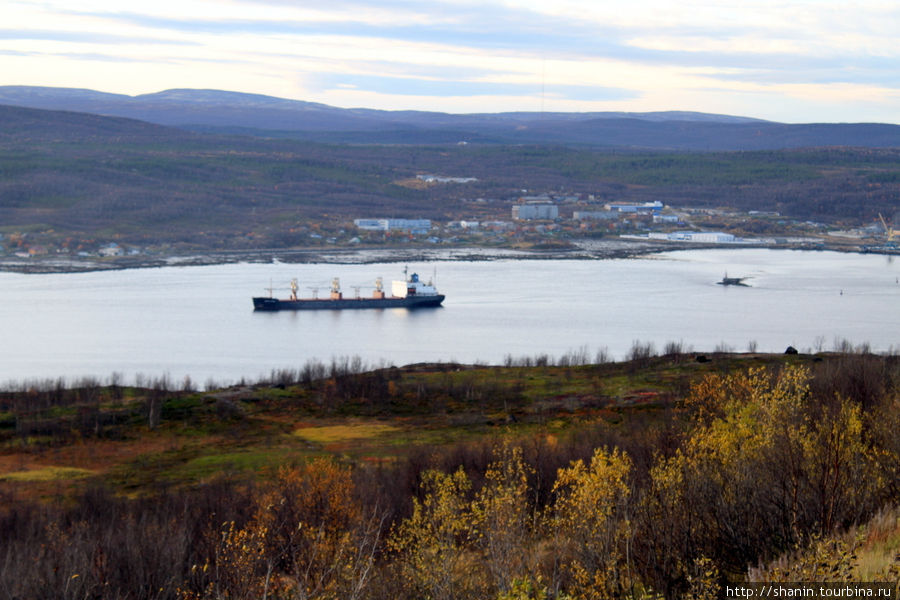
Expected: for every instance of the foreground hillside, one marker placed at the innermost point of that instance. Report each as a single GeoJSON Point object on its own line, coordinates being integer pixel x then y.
{"type": "Point", "coordinates": [72, 182]}
{"type": "Point", "coordinates": [660, 477]}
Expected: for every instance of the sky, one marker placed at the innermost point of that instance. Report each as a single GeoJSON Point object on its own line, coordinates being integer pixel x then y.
{"type": "Point", "coordinates": [795, 61]}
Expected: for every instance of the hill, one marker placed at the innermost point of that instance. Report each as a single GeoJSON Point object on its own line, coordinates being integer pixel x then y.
{"type": "Point", "coordinates": [76, 180]}
{"type": "Point", "coordinates": [28, 125]}
{"type": "Point", "coordinates": [661, 477]}
{"type": "Point", "coordinates": [233, 112]}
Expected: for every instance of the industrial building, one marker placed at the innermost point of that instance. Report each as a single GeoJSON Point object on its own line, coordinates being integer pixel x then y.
{"type": "Point", "coordinates": [703, 237]}
{"type": "Point", "coordinates": [535, 210]}
{"type": "Point", "coordinates": [445, 179]}
{"type": "Point", "coordinates": [410, 225]}
{"type": "Point", "coordinates": [630, 207]}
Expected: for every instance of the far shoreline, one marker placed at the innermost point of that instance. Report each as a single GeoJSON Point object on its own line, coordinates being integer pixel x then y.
{"type": "Point", "coordinates": [581, 250]}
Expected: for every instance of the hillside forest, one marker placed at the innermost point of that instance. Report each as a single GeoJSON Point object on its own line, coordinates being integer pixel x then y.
{"type": "Point", "coordinates": [73, 181]}
{"type": "Point", "coordinates": [661, 477]}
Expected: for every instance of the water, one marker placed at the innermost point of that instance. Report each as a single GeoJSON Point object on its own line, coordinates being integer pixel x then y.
{"type": "Point", "coordinates": [198, 321]}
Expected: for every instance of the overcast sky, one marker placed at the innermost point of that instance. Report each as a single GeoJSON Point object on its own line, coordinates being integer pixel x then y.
{"type": "Point", "coordinates": [792, 60]}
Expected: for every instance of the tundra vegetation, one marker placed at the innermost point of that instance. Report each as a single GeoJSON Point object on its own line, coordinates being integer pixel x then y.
{"type": "Point", "coordinates": [72, 183]}
{"type": "Point", "coordinates": [660, 477]}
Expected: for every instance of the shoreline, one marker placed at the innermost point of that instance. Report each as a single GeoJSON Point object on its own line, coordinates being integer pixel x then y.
{"type": "Point", "coordinates": [581, 250]}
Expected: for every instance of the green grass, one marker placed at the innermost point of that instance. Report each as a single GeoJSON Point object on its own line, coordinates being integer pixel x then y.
{"type": "Point", "coordinates": [47, 474]}
{"type": "Point", "coordinates": [240, 461]}
{"type": "Point", "coordinates": [331, 434]}
{"type": "Point", "coordinates": [251, 431]}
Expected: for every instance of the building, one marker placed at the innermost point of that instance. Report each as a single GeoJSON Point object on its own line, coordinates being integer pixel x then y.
{"type": "Point", "coordinates": [445, 179]}
{"type": "Point", "coordinates": [594, 215]}
{"type": "Point", "coordinates": [111, 249]}
{"type": "Point", "coordinates": [712, 237]}
{"type": "Point", "coordinates": [630, 207]}
{"type": "Point", "coordinates": [539, 209]}
{"type": "Point", "coordinates": [498, 226]}
{"type": "Point", "coordinates": [410, 225]}
{"type": "Point", "coordinates": [703, 237]}
{"type": "Point", "coordinates": [372, 224]}
{"type": "Point", "coordinates": [471, 225]}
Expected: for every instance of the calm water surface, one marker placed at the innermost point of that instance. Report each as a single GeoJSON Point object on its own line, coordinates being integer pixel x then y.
{"type": "Point", "coordinates": [199, 321]}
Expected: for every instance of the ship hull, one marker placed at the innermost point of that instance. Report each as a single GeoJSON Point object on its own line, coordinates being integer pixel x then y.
{"type": "Point", "coordinates": [733, 281]}
{"type": "Point", "coordinates": [274, 304]}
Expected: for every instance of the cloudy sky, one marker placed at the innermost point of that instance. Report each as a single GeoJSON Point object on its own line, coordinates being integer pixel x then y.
{"type": "Point", "coordinates": [789, 60]}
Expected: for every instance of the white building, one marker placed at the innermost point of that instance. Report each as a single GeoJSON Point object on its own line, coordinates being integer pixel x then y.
{"type": "Point", "coordinates": [445, 179]}
{"type": "Point", "coordinates": [498, 225]}
{"type": "Point", "coordinates": [410, 225]}
{"type": "Point", "coordinates": [713, 237]}
{"type": "Point", "coordinates": [535, 210]}
{"type": "Point", "coordinates": [630, 207]}
{"type": "Point", "coordinates": [111, 249]}
{"type": "Point", "coordinates": [371, 224]}
{"type": "Point", "coordinates": [702, 237]}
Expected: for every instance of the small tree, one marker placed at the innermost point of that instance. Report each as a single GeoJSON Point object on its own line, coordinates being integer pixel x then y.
{"type": "Point", "coordinates": [591, 516]}
{"type": "Point", "coordinates": [431, 544]}
{"type": "Point", "coordinates": [503, 519]}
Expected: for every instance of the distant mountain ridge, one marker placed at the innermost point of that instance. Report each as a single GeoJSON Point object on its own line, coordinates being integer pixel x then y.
{"type": "Point", "coordinates": [216, 111]}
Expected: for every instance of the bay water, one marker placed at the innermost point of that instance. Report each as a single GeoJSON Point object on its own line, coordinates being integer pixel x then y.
{"type": "Point", "coordinates": [199, 322]}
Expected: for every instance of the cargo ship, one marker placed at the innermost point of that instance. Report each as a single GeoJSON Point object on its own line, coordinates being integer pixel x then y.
{"type": "Point", "coordinates": [410, 293]}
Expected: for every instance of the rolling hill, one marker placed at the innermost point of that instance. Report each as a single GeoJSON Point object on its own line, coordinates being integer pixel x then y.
{"type": "Point", "coordinates": [217, 111]}
{"type": "Point", "coordinates": [76, 180]}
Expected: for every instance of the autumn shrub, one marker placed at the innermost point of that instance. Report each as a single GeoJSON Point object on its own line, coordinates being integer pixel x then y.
{"type": "Point", "coordinates": [591, 526]}
{"type": "Point", "coordinates": [307, 538]}
{"type": "Point", "coordinates": [431, 547]}
{"type": "Point", "coordinates": [767, 462]}
{"type": "Point", "coordinates": [758, 467]}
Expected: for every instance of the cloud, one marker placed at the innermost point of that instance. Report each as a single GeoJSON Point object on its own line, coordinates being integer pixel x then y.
{"type": "Point", "coordinates": [85, 37]}
{"type": "Point", "coordinates": [853, 74]}
{"type": "Point", "coordinates": [485, 27]}
{"type": "Point", "coordinates": [588, 55]}
{"type": "Point", "coordinates": [406, 86]}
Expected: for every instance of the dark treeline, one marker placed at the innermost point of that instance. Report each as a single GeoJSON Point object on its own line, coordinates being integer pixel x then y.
{"type": "Point", "coordinates": [746, 466]}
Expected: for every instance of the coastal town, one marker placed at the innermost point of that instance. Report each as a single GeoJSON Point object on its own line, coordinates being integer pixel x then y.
{"type": "Point", "coordinates": [548, 221]}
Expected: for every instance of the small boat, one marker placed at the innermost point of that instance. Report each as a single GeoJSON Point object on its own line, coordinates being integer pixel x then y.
{"type": "Point", "coordinates": [733, 281]}
{"type": "Point", "coordinates": [409, 293]}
